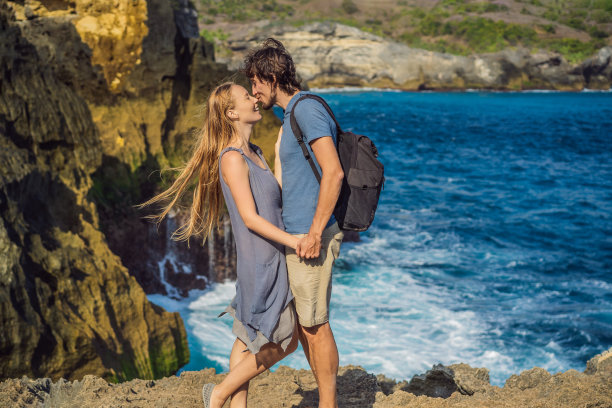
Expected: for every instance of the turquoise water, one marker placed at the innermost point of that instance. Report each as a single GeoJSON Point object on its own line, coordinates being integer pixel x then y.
{"type": "Point", "coordinates": [492, 244]}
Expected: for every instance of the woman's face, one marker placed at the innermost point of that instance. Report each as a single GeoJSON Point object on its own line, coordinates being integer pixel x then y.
{"type": "Point", "coordinates": [245, 107]}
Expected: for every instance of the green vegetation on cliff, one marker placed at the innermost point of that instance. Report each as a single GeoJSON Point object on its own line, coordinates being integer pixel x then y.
{"type": "Point", "coordinates": [574, 28]}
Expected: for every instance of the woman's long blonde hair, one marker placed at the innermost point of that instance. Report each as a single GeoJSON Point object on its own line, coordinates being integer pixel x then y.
{"type": "Point", "coordinates": [215, 135]}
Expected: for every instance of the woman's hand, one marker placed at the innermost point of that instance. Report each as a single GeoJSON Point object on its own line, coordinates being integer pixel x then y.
{"type": "Point", "coordinates": [294, 243]}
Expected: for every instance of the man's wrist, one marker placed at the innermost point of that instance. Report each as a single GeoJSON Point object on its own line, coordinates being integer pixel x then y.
{"type": "Point", "coordinates": [315, 234]}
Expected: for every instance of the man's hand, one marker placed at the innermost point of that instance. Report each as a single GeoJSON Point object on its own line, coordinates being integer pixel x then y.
{"type": "Point", "coordinates": [309, 247]}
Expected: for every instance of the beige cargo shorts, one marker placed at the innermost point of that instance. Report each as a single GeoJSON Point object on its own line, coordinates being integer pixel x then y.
{"type": "Point", "coordinates": [310, 279]}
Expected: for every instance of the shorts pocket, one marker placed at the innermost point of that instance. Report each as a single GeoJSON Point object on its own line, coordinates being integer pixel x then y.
{"type": "Point", "coordinates": [265, 291]}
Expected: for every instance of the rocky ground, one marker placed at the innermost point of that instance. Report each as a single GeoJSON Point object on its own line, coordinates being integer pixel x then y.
{"type": "Point", "coordinates": [455, 386]}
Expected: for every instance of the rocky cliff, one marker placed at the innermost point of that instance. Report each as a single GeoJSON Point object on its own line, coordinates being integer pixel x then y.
{"type": "Point", "coordinates": [95, 97]}
{"type": "Point", "coordinates": [330, 54]}
{"type": "Point", "coordinates": [456, 386]}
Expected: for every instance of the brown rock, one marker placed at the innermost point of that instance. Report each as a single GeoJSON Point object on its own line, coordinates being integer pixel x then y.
{"type": "Point", "coordinates": [529, 379]}
{"type": "Point", "coordinates": [437, 382]}
{"type": "Point", "coordinates": [297, 388]}
{"type": "Point", "coordinates": [601, 364]}
{"type": "Point", "coordinates": [470, 380]}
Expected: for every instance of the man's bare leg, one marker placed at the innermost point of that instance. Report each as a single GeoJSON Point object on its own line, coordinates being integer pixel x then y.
{"type": "Point", "coordinates": [322, 354]}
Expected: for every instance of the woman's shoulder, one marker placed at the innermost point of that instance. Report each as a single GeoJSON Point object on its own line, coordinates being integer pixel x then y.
{"type": "Point", "coordinates": [231, 156]}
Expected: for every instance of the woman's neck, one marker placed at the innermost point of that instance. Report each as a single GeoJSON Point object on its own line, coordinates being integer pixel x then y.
{"type": "Point", "coordinates": [243, 135]}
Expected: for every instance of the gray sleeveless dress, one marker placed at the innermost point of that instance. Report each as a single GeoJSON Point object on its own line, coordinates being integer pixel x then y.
{"type": "Point", "coordinates": [262, 308]}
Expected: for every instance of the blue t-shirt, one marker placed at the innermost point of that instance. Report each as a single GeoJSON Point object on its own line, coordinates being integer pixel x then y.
{"type": "Point", "coordinates": [300, 186]}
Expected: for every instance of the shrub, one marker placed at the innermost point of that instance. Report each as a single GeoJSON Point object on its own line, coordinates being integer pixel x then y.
{"type": "Point", "coordinates": [212, 35]}
{"type": "Point", "coordinates": [548, 28]}
{"type": "Point", "coordinates": [601, 16]}
{"type": "Point", "coordinates": [603, 5]}
{"type": "Point", "coordinates": [582, 3]}
{"type": "Point", "coordinates": [574, 22]}
{"type": "Point", "coordinates": [550, 15]}
{"type": "Point", "coordinates": [572, 49]}
{"type": "Point", "coordinates": [595, 32]}
{"type": "Point", "coordinates": [349, 7]}
{"type": "Point", "coordinates": [417, 13]}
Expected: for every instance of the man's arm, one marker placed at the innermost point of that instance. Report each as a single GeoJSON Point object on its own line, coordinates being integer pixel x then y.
{"type": "Point", "coordinates": [278, 171]}
{"type": "Point", "coordinates": [326, 154]}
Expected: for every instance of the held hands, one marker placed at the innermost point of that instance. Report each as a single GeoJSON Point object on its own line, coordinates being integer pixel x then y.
{"type": "Point", "coordinates": [309, 247]}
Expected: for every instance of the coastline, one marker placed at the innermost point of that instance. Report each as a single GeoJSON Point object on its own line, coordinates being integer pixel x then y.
{"type": "Point", "coordinates": [455, 386]}
{"type": "Point", "coordinates": [357, 89]}
{"type": "Point", "coordinates": [124, 111]}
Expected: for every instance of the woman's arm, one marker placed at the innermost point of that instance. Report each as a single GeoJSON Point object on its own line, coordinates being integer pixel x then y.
{"type": "Point", "coordinates": [278, 172]}
{"type": "Point", "coordinates": [235, 172]}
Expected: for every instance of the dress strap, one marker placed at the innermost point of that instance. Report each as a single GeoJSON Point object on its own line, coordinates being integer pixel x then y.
{"type": "Point", "coordinates": [227, 149]}
{"type": "Point", "coordinates": [259, 152]}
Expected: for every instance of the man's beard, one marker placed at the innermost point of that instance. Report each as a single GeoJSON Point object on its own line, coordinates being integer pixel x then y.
{"type": "Point", "coordinates": [271, 101]}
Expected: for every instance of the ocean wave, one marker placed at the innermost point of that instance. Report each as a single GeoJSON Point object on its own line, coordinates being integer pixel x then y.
{"type": "Point", "coordinates": [353, 89]}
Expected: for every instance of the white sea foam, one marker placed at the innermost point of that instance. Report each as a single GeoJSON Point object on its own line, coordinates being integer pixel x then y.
{"type": "Point", "coordinates": [587, 90]}
{"type": "Point", "coordinates": [350, 89]}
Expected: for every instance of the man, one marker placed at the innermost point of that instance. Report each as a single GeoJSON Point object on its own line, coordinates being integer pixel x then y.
{"type": "Point", "coordinates": [307, 206]}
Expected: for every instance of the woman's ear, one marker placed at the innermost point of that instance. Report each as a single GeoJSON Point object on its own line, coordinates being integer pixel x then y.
{"type": "Point", "coordinates": [232, 114]}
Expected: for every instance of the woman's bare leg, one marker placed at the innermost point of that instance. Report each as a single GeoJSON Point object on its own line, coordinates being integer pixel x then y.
{"type": "Point", "coordinates": [239, 397]}
{"type": "Point", "coordinates": [249, 367]}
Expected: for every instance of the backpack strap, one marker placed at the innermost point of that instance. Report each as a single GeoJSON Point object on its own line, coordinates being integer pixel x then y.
{"type": "Point", "coordinates": [297, 132]}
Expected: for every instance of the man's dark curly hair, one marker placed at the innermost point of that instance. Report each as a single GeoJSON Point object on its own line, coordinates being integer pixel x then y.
{"type": "Point", "coordinates": [272, 63]}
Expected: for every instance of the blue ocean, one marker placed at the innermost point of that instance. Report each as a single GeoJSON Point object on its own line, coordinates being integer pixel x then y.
{"type": "Point", "coordinates": [492, 244]}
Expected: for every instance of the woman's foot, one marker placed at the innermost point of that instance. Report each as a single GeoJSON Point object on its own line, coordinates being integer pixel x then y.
{"type": "Point", "coordinates": [207, 390]}
{"type": "Point", "coordinates": [216, 400]}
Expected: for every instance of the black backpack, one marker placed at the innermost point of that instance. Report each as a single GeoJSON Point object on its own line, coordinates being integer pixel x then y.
{"type": "Point", "coordinates": [363, 173]}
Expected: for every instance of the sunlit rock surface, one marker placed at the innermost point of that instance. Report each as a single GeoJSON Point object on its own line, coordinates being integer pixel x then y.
{"type": "Point", "coordinates": [455, 386]}
{"type": "Point", "coordinates": [95, 97]}
{"type": "Point", "coordinates": [331, 54]}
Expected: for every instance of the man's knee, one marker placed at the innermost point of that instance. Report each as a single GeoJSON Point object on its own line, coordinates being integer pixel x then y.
{"type": "Point", "coordinates": [320, 330]}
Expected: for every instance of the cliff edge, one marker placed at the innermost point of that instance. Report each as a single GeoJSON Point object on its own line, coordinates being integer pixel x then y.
{"type": "Point", "coordinates": [455, 386]}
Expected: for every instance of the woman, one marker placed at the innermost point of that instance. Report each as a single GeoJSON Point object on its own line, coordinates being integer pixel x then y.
{"type": "Point", "coordinates": [224, 162]}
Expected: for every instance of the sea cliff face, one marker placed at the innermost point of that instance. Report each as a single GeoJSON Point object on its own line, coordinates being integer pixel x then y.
{"type": "Point", "coordinates": [69, 306]}
{"type": "Point", "coordinates": [455, 386]}
{"type": "Point", "coordinates": [330, 54]}
{"type": "Point", "coordinates": [92, 101]}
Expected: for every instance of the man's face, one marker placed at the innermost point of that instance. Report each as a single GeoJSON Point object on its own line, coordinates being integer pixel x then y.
{"type": "Point", "coordinates": [264, 92]}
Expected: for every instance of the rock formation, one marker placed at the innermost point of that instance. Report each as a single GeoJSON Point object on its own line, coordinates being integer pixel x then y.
{"type": "Point", "coordinates": [455, 386]}
{"type": "Point", "coordinates": [92, 101]}
{"type": "Point", "coordinates": [330, 54]}
{"type": "Point", "coordinates": [69, 307]}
